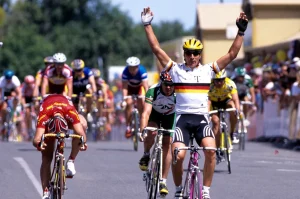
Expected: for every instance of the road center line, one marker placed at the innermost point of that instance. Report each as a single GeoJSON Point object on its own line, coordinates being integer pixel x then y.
{"type": "Point", "coordinates": [30, 175]}
{"type": "Point", "coordinates": [288, 170]}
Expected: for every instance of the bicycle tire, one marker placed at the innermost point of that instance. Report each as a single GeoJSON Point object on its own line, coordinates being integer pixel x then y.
{"type": "Point", "coordinates": [61, 178]}
{"type": "Point", "coordinates": [227, 153]}
{"type": "Point", "coordinates": [154, 180]}
{"type": "Point", "coordinates": [196, 192]}
{"type": "Point", "coordinates": [187, 183]}
{"type": "Point", "coordinates": [135, 133]}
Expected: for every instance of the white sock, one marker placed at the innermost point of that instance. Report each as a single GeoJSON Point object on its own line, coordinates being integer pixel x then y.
{"type": "Point", "coordinates": [164, 180]}
{"type": "Point", "coordinates": [179, 188]}
{"type": "Point", "coordinates": [205, 188]}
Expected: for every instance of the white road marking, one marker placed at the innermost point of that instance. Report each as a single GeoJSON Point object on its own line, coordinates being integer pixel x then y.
{"type": "Point", "coordinates": [288, 170]}
{"type": "Point", "coordinates": [30, 175]}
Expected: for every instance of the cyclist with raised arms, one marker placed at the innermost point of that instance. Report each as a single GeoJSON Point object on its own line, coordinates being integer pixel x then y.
{"type": "Point", "coordinates": [159, 111]}
{"type": "Point", "coordinates": [192, 81]}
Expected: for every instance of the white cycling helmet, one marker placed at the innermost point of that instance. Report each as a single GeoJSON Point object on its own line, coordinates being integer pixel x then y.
{"type": "Point", "coordinates": [133, 61]}
{"type": "Point", "coordinates": [59, 58]}
{"type": "Point", "coordinates": [220, 75]}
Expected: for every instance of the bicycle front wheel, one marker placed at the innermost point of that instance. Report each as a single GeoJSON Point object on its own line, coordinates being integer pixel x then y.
{"type": "Point", "coordinates": [196, 187]}
{"type": "Point", "coordinates": [227, 152]}
{"type": "Point", "coordinates": [61, 180]}
{"type": "Point", "coordinates": [136, 129]}
{"type": "Point", "coordinates": [154, 179]}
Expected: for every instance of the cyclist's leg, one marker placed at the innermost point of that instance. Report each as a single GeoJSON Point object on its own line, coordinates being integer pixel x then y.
{"type": "Point", "coordinates": [148, 143]}
{"type": "Point", "coordinates": [180, 139]}
{"type": "Point", "coordinates": [3, 106]}
{"type": "Point", "coordinates": [168, 122]}
{"type": "Point", "coordinates": [205, 138]}
{"type": "Point", "coordinates": [233, 117]}
{"type": "Point", "coordinates": [79, 127]}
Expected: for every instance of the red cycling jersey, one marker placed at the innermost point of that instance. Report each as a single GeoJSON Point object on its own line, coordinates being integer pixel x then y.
{"type": "Point", "coordinates": [56, 103]}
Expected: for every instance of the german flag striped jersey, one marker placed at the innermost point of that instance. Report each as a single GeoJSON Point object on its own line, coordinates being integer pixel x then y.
{"type": "Point", "coordinates": [191, 86]}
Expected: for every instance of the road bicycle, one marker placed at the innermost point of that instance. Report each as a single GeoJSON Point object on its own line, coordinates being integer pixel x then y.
{"type": "Point", "coordinates": [192, 188]}
{"type": "Point", "coordinates": [225, 141]}
{"type": "Point", "coordinates": [154, 171]}
{"type": "Point", "coordinates": [57, 184]}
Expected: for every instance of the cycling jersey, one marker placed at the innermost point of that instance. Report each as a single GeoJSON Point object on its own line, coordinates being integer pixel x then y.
{"type": "Point", "coordinates": [135, 80]}
{"type": "Point", "coordinates": [160, 103]}
{"type": "Point", "coordinates": [243, 88]}
{"type": "Point", "coordinates": [80, 83]}
{"type": "Point", "coordinates": [225, 92]}
{"type": "Point", "coordinates": [27, 92]}
{"type": "Point", "coordinates": [9, 86]}
{"type": "Point", "coordinates": [191, 86]}
{"type": "Point", "coordinates": [57, 82]}
{"type": "Point", "coordinates": [53, 104]}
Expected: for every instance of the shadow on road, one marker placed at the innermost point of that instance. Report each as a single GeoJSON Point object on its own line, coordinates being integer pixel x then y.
{"type": "Point", "coordinates": [121, 150]}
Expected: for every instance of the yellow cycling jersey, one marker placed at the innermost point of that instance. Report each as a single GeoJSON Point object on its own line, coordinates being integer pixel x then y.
{"type": "Point", "coordinates": [225, 92]}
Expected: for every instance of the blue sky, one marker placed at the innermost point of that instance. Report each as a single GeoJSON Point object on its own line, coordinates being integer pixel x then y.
{"type": "Point", "coordinates": [165, 10]}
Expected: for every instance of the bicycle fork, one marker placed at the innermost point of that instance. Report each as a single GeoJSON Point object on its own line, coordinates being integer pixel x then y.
{"type": "Point", "coordinates": [222, 139]}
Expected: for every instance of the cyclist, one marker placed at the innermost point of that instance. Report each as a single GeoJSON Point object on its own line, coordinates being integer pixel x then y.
{"type": "Point", "coordinates": [192, 82]}
{"type": "Point", "coordinates": [82, 76]}
{"type": "Point", "coordinates": [57, 76]}
{"type": "Point", "coordinates": [40, 75]}
{"type": "Point", "coordinates": [10, 86]}
{"type": "Point", "coordinates": [159, 111]}
{"type": "Point", "coordinates": [246, 92]}
{"type": "Point", "coordinates": [101, 91]}
{"type": "Point", "coordinates": [27, 98]}
{"type": "Point", "coordinates": [134, 82]}
{"type": "Point", "coordinates": [222, 94]}
{"type": "Point", "coordinates": [57, 114]}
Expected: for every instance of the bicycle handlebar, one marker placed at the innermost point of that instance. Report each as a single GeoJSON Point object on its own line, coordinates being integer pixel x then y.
{"type": "Point", "coordinates": [247, 103]}
{"type": "Point", "coordinates": [133, 96]}
{"type": "Point", "coordinates": [82, 95]}
{"type": "Point", "coordinates": [60, 136]}
{"type": "Point", "coordinates": [148, 128]}
{"type": "Point", "coordinates": [177, 150]}
{"type": "Point", "coordinates": [222, 110]}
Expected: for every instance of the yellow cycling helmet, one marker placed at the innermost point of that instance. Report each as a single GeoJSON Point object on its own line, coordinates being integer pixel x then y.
{"type": "Point", "coordinates": [77, 64]}
{"type": "Point", "coordinates": [220, 75]}
{"type": "Point", "coordinates": [193, 44]}
{"type": "Point", "coordinates": [96, 72]}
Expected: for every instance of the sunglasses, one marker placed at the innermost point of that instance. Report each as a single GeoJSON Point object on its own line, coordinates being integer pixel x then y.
{"type": "Point", "coordinates": [219, 80]}
{"type": "Point", "coordinates": [189, 53]}
{"type": "Point", "coordinates": [168, 84]}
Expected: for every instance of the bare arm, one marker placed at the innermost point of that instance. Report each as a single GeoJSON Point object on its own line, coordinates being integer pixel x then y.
{"type": "Point", "coordinates": [252, 93]}
{"type": "Point", "coordinates": [145, 115]}
{"type": "Point", "coordinates": [70, 86]}
{"type": "Point", "coordinates": [38, 82]}
{"type": "Point", "coordinates": [125, 88]}
{"type": "Point", "coordinates": [44, 86]}
{"type": "Point", "coordinates": [93, 83]}
{"type": "Point", "coordinates": [236, 101]}
{"type": "Point", "coordinates": [234, 49]}
{"type": "Point", "coordinates": [153, 42]}
{"type": "Point", "coordinates": [145, 85]}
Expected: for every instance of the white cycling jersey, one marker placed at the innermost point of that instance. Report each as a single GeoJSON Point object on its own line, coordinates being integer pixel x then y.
{"type": "Point", "coordinates": [9, 86]}
{"type": "Point", "coordinates": [191, 86]}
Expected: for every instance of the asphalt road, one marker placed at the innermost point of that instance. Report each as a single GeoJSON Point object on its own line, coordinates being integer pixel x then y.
{"type": "Point", "coordinates": [110, 170]}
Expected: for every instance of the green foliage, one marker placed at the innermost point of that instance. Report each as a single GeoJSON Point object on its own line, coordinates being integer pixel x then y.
{"type": "Point", "coordinates": [84, 29]}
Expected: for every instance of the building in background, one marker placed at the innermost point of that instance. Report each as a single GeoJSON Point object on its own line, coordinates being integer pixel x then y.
{"type": "Point", "coordinates": [216, 28]}
{"type": "Point", "coordinates": [273, 25]}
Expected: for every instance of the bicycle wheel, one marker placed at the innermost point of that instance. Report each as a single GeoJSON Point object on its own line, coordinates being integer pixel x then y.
{"type": "Point", "coordinates": [61, 179]}
{"type": "Point", "coordinates": [196, 187]}
{"type": "Point", "coordinates": [227, 152]}
{"type": "Point", "coordinates": [135, 133]}
{"type": "Point", "coordinates": [242, 136]}
{"type": "Point", "coordinates": [154, 179]}
{"type": "Point", "coordinates": [188, 186]}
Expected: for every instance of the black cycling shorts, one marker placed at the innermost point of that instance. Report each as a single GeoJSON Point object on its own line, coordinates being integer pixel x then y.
{"type": "Point", "coordinates": [166, 121]}
{"type": "Point", "coordinates": [186, 124]}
